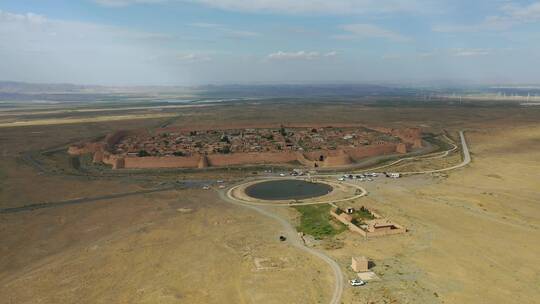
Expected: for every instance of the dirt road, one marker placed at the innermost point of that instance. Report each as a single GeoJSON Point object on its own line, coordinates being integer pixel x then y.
{"type": "Point", "coordinates": [81, 200]}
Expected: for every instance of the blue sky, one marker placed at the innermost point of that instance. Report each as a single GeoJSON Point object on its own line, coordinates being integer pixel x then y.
{"type": "Point", "coordinates": [190, 42]}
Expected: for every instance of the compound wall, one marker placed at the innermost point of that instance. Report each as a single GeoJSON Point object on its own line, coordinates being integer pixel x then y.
{"type": "Point", "coordinates": [161, 162]}
{"type": "Point", "coordinates": [102, 153]}
{"type": "Point", "coordinates": [221, 160]}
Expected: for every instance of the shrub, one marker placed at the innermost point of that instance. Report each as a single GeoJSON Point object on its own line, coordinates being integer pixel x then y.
{"type": "Point", "coordinates": [315, 221]}
{"type": "Point", "coordinates": [143, 153]}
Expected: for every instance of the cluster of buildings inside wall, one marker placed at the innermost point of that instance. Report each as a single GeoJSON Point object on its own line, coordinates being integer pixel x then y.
{"type": "Point", "coordinates": [188, 143]}
{"type": "Point", "coordinates": [311, 147]}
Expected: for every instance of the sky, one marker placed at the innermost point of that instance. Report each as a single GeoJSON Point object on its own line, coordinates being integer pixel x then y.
{"type": "Point", "coordinates": [196, 42]}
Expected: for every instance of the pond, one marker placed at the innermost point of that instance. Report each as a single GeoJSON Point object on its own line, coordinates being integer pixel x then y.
{"type": "Point", "coordinates": [288, 189]}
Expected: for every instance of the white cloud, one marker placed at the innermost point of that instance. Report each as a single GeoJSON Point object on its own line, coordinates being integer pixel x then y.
{"type": "Point", "coordinates": [510, 15]}
{"type": "Point", "coordinates": [193, 57]}
{"type": "Point", "coordinates": [363, 30]}
{"type": "Point", "coordinates": [492, 23]}
{"type": "Point", "coordinates": [391, 57]}
{"type": "Point", "coordinates": [314, 6]}
{"type": "Point", "coordinates": [36, 48]}
{"type": "Point", "coordinates": [331, 54]}
{"type": "Point", "coordinates": [226, 31]}
{"type": "Point", "coordinates": [206, 25]}
{"type": "Point", "coordinates": [300, 55]}
{"type": "Point", "coordinates": [123, 3]}
{"type": "Point", "coordinates": [303, 55]}
{"type": "Point", "coordinates": [240, 34]}
{"type": "Point", "coordinates": [29, 18]}
{"type": "Point", "coordinates": [528, 13]}
{"type": "Point", "coordinates": [426, 54]}
{"type": "Point", "coordinates": [297, 6]}
{"type": "Point", "coordinates": [470, 52]}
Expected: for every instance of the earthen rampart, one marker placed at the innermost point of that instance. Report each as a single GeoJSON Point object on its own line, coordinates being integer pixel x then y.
{"type": "Point", "coordinates": [222, 160]}
{"type": "Point", "coordinates": [103, 152]}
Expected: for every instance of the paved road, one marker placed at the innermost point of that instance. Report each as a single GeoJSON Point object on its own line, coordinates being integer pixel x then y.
{"type": "Point", "coordinates": [466, 159]}
{"type": "Point", "coordinates": [294, 240]}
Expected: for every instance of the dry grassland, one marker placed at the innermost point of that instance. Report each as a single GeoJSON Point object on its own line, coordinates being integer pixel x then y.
{"type": "Point", "coordinates": [474, 235]}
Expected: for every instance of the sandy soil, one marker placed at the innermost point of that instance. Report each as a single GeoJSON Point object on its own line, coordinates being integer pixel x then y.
{"type": "Point", "coordinates": [176, 247]}
{"type": "Point", "coordinates": [474, 236]}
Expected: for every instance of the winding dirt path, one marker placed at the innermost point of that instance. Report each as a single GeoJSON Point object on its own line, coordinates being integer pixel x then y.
{"type": "Point", "coordinates": [465, 162]}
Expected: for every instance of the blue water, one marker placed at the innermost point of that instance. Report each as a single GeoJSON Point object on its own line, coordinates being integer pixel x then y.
{"type": "Point", "coordinates": [287, 189]}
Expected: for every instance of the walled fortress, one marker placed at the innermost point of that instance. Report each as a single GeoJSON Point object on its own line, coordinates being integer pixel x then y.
{"type": "Point", "coordinates": [106, 151]}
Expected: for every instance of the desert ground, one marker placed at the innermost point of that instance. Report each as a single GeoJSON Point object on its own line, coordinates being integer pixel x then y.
{"type": "Point", "coordinates": [473, 232]}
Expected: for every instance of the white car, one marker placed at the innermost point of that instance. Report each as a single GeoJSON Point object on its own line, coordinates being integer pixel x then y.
{"type": "Point", "coordinates": [394, 175]}
{"type": "Point", "coordinates": [206, 187]}
{"type": "Point", "coordinates": [282, 174]}
{"type": "Point", "coordinates": [341, 179]}
{"type": "Point", "coordinates": [357, 282]}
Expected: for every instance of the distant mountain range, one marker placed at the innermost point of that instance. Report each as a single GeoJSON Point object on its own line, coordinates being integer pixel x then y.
{"type": "Point", "coordinates": [20, 91]}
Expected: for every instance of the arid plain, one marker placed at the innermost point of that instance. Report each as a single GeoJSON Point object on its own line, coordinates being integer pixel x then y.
{"type": "Point", "coordinates": [473, 232]}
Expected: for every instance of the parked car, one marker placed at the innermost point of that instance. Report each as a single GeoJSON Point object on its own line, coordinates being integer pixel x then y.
{"type": "Point", "coordinates": [341, 179]}
{"type": "Point", "coordinates": [282, 174]}
{"type": "Point", "coordinates": [357, 282]}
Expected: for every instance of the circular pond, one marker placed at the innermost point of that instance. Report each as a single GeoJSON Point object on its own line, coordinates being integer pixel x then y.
{"type": "Point", "coordinates": [287, 189]}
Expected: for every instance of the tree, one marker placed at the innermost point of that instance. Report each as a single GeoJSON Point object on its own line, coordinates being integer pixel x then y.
{"type": "Point", "coordinates": [143, 153]}
{"type": "Point", "coordinates": [226, 139]}
{"type": "Point", "coordinates": [282, 131]}
{"type": "Point", "coordinates": [225, 150]}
